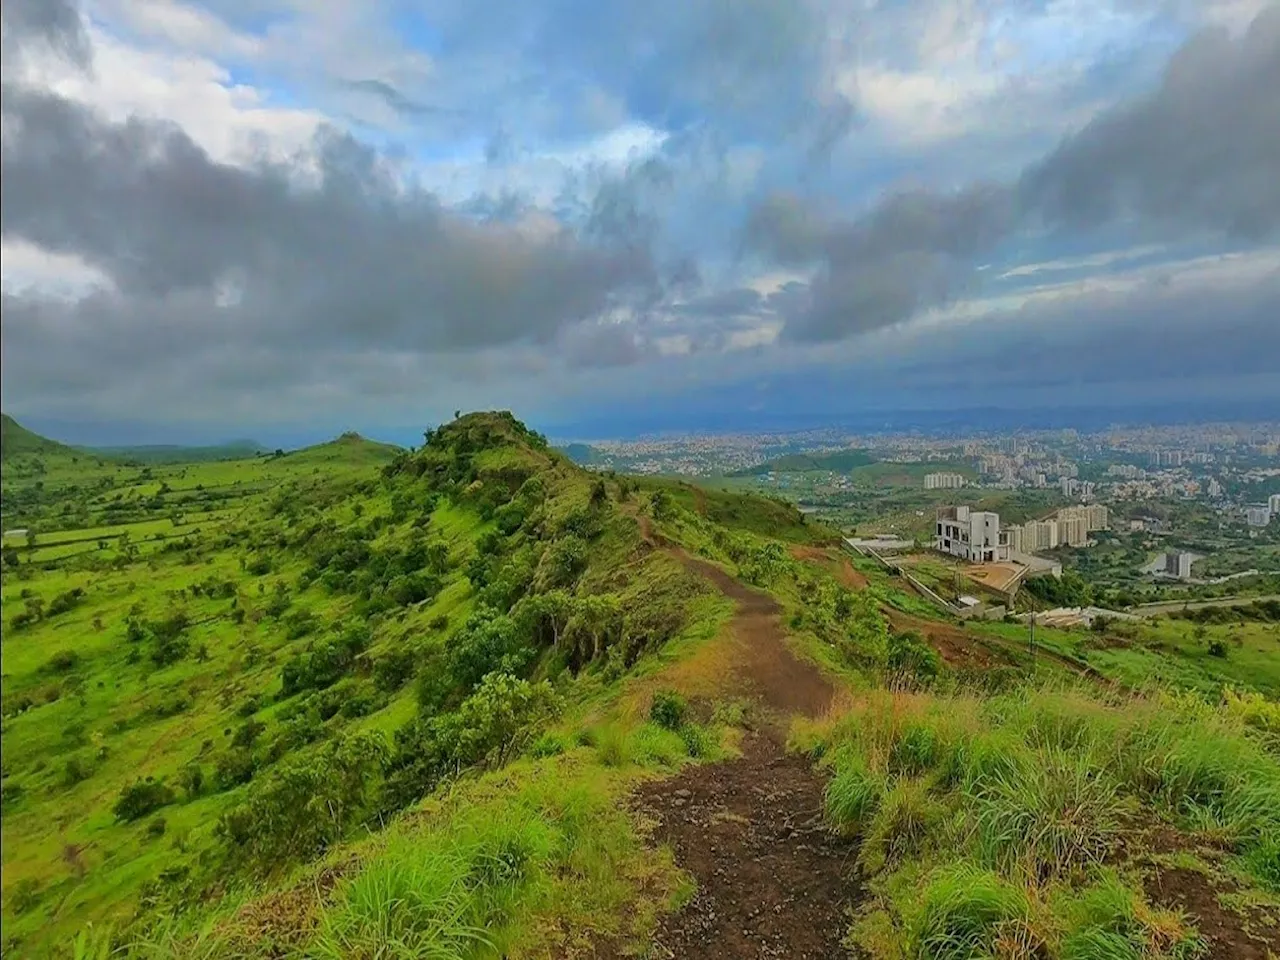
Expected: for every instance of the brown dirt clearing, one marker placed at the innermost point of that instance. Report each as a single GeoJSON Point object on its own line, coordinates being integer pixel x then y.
{"type": "Point", "coordinates": [1229, 935]}
{"type": "Point", "coordinates": [844, 571]}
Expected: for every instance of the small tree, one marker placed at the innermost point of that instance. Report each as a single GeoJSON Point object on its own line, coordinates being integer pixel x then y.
{"type": "Point", "coordinates": [142, 797]}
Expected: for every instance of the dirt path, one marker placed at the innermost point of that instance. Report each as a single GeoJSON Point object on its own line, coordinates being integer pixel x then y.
{"type": "Point", "coordinates": [772, 880]}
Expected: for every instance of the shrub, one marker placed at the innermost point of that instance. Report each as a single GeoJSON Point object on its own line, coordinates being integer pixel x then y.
{"type": "Point", "coordinates": [63, 661]}
{"type": "Point", "coordinates": [911, 661]}
{"type": "Point", "coordinates": [853, 795]}
{"type": "Point", "coordinates": [74, 771]}
{"type": "Point", "coordinates": [306, 803]}
{"type": "Point", "coordinates": [233, 768]}
{"type": "Point", "coordinates": [191, 779]}
{"type": "Point", "coordinates": [668, 709]}
{"type": "Point", "coordinates": [965, 913]}
{"type": "Point", "coordinates": [1050, 817]}
{"type": "Point", "coordinates": [142, 797]}
{"type": "Point", "coordinates": [904, 820]}
{"type": "Point", "coordinates": [392, 671]}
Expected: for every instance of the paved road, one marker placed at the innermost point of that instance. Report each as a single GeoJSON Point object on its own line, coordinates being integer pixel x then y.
{"type": "Point", "coordinates": [1155, 609]}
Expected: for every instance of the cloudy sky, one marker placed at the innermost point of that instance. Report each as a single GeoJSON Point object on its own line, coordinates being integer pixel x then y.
{"type": "Point", "coordinates": [273, 216]}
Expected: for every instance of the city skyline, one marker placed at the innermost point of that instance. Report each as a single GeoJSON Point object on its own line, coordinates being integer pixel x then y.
{"type": "Point", "coordinates": [612, 218]}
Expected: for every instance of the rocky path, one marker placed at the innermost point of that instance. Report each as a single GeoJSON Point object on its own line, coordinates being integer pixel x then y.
{"type": "Point", "coordinates": [772, 881]}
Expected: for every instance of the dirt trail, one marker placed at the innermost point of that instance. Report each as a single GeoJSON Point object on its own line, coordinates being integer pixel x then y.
{"type": "Point", "coordinates": [772, 880]}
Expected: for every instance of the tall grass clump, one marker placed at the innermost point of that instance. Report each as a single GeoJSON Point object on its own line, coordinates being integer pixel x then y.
{"type": "Point", "coordinates": [505, 869]}
{"type": "Point", "coordinates": [1109, 920]}
{"type": "Point", "coordinates": [1046, 818]}
{"type": "Point", "coordinates": [853, 793]}
{"type": "Point", "coordinates": [416, 903]}
{"type": "Point", "coordinates": [904, 823]}
{"type": "Point", "coordinates": [967, 912]}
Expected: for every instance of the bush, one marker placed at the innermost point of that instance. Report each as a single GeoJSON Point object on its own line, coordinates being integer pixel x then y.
{"type": "Point", "coordinates": [63, 661]}
{"type": "Point", "coordinates": [306, 803]}
{"type": "Point", "coordinates": [1049, 817]}
{"type": "Point", "coordinates": [74, 771]}
{"type": "Point", "coordinates": [234, 768]}
{"type": "Point", "coordinates": [142, 797]}
{"type": "Point", "coordinates": [853, 795]}
{"type": "Point", "coordinates": [668, 709]}
{"type": "Point", "coordinates": [911, 660]}
{"type": "Point", "coordinates": [191, 779]}
{"type": "Point", "coordinates": [965, 913]}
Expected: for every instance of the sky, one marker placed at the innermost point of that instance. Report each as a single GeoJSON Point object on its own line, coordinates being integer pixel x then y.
{"type": "Point", "coordinates": [286, 218]}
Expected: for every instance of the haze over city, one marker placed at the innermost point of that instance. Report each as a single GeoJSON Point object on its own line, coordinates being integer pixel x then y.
{"type": "Point", "coordinates": [282, 220]}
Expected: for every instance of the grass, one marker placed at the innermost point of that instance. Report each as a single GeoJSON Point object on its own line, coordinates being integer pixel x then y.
{"type": "Point", "coordinates": [992, 825]}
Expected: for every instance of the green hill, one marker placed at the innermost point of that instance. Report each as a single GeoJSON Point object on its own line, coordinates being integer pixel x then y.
{"type": "Point", "coordinates": [16, 440]}
{"type": "Point", "coordinates": [841, 461]}
{"type": "Point", "coordinates": [343, 605]}
{"type": "Point", "coordinates": [473, 701]}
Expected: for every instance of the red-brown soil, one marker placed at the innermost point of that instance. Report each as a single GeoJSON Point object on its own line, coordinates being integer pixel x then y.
{"type": "Point", "coordinates": [772, 880]}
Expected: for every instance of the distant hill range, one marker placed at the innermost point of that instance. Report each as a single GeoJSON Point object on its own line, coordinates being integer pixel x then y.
{"type": "Point", "coordinates": [156, 453]}
{"type": "Point", "coordinates": [840, 461]}
{"type": "Point", "coordinates": [18, 441]}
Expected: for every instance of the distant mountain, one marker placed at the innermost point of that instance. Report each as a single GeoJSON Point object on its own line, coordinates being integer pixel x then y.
{"type": "Point", "coordinates": [16, 440]}
{"type": "Point", "coordinates": [841, 461]}
{"type": "Point", "coordinates": [157, 453]}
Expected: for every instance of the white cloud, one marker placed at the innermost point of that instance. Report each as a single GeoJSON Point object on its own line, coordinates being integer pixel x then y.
{"type": "Point", "coordinates": [1104, 259]}
{"type": "Point", "coordinates": [28, 269]}
{"type": "Point", "coordinates": [233, 122]}
{"type": "Point", "coordinates": [180, 26]}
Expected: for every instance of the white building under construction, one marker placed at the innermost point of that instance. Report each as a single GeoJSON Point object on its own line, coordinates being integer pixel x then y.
{"type": "Point", "coordinates": [972, 535]}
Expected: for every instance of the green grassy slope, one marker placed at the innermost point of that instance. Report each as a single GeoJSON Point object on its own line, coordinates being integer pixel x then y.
{"type": "Point", "coordinates": [746, 512]}
{"type": "Point", "coordinates": [342, 612]}
{"type": "Point", "coordinates": [16, 440]}
{"type": "Point", "coordinates": [360, 701]}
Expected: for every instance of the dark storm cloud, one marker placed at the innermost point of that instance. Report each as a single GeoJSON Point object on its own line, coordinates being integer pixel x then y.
{"type": "Point", "coordinates": [1200, 154]}
{"type": "Point", "coordinates": [53, 22]}
{"type": "Point", "coordinates": [1203, 151]}
{"type": "Point", "coordinates": [1154, 332]}
{"type": "Point", "coordinates": [354, 258]}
